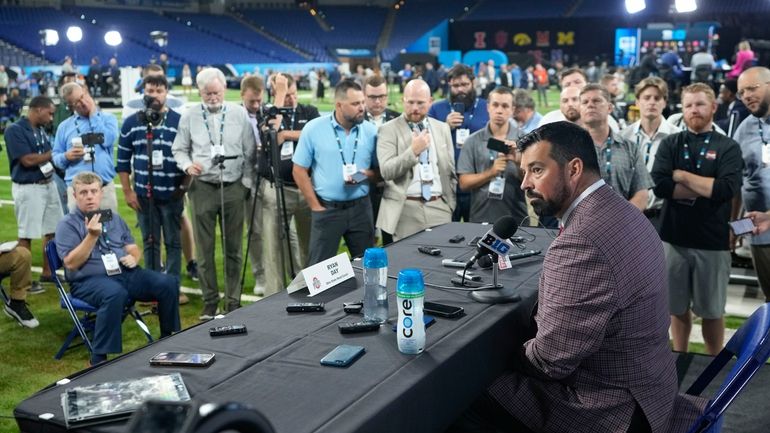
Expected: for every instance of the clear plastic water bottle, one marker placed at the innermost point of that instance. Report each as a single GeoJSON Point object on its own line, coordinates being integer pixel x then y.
{"type": "Point", "coordinates": [410, 293]}
{"type": "Point", "coordinates": [375, 285]}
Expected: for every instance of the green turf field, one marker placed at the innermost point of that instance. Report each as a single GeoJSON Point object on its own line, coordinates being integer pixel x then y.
{"type": "Point", "coordinates": [27, 354]}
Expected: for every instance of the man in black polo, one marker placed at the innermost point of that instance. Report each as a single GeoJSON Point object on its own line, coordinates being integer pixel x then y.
{"type": "Point", "coordinates": [297, 209]}
{"type": "Point", "coordinates": [36, 199]}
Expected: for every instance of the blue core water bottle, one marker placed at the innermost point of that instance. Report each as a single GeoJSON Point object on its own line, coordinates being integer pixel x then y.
{"type": "Point", "coordinates": [375, 285]}
{"type": "Point", "coordinates": [410, 293]}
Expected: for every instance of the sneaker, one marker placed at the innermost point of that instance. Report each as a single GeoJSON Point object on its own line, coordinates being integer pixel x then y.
{"type": "Point", "coordinates": [18, 310]}
{"type": "Point", "coordinates": [35, 288]}
{"type": "Point", "coordinates": [192, 270]}
{"type": "Point", "coordinates": [208, 313]}
{"type": "Point", "coordinates": [259, 289]}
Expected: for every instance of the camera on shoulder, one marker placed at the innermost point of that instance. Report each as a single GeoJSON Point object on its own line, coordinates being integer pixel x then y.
{"type": "Point", "coordinates": [152, 112]}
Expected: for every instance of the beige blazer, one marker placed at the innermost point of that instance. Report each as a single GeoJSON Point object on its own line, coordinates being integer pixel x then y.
{"type": "Point", "coordinates": [397, 161]}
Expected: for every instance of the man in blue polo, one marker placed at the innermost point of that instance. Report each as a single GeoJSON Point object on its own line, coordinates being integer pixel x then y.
{"type": "Point", "coordinates": [85, 142]}
{"type": "Point", "coordinates": [334, 150]}
{"type": "Point", "coordinates": [101, 261]}
{"type": "Point", "coordinates": [465, 114]}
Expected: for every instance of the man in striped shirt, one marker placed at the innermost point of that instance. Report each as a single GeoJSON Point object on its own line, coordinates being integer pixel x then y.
{"type": "Point", "coordinates": [154, 166]}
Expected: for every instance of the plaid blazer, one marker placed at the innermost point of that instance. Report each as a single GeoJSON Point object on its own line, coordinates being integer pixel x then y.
{"type": "Point", "coordinates": [602, 340]}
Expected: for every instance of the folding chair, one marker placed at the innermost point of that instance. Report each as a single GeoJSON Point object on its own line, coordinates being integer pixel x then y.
{"type": "Point", "coordinates": [751, 346]}
{"type": "Point", "coordinates": [83, 324]}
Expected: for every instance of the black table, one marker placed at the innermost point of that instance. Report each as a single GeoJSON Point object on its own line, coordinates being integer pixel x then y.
{"type": "Point", "coordinates": [275, 367]}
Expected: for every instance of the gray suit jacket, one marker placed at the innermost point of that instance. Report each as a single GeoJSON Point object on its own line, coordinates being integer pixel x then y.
{"type": "Point", "coordinates": [394, 141]}
{"type": "Point", "coordinates": [602, 339]}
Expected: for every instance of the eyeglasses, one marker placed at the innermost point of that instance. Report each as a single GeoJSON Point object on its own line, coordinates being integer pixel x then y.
{"type": "Point", "coordinates": [751, 89]}
{"type": "Point", "coordinates": [376, 97]}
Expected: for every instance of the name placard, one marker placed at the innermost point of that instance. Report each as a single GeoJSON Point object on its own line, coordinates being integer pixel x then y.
{"type": "Point", "coordinates": [324, 275]}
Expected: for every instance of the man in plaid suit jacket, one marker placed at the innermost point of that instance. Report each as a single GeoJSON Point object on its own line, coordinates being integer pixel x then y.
{"type": "Point", "coordinates": [600, 360]}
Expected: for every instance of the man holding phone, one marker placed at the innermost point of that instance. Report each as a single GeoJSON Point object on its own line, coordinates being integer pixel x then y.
{"type": "Point", "coordinates": [754, 135]}
{"type": "Point", "coordinates": [465, 113]}
{"type": "Point", "coordinates": [491, 175]}
{"type": "Point", "coordinates": [85, 142]}
{"type": "Point", "coordinates": [101, 263]}
{"type": "Point", "coordinates": [698, 173]}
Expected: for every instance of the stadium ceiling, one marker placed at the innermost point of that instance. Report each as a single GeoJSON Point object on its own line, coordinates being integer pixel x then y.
{"type": "Point", "coordinates": [292, 3]}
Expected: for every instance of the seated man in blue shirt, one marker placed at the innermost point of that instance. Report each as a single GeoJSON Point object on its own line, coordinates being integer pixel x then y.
{"type": "Point", "coordinates": [101, 261]}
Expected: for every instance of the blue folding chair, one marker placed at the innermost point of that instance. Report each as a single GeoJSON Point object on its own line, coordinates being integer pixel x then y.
{"type": "Point", "coordinates": [83, 324]}
{"type": "Point", "coordinates": [751, 346]}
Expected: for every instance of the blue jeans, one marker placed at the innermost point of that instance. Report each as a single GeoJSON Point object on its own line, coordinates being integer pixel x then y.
{"type": "Point", "coordinates": [165, 215]}
{"type": "Point", "coordinates": [110, 295]}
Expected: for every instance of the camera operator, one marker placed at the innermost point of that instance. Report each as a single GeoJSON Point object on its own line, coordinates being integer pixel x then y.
{"type": "Point", "coordinates": [216, 145]}
{"type": "Point", "coordinates": [297, 209]}
{"type": "Point", "coordinates": [84, 142]}
{"type": "Point", "coordinates": [165, 211]}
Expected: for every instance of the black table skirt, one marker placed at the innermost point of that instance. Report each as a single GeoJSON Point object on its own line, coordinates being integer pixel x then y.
{"type": "Point", "coordinates": [275, 366]}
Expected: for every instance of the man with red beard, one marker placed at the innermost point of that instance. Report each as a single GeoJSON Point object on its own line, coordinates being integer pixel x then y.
{"type": "Point", "coordinates": [698, 173]}
{"type": "Point", "coordinates": [754, 135]}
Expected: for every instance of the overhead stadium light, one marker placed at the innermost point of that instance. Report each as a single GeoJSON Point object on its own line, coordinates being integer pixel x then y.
{"type": "Point", "coordinates": [49, 37]}
{"type": "Point", "coordinates": [683, 6]}
{"type": "Point", "coordinates": [634, 6]}
{"type": "Point", "coordinates": [113, 38]}
{"type": "Point", "coordinates": [74, 34]}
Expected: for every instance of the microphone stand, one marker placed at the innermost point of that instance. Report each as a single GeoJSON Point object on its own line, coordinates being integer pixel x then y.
{"type": "Point", "coordinates": [150, 196]}
{"type": "Point", "coordinates": [494, 293]}
{"type": "Point", "coordinates": [220, 161]}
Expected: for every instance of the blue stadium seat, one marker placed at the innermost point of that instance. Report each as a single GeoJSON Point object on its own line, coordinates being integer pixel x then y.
{"type": "Point", "coordinates": [751, 346]}
{"type": "Point", "coordinates": [83, 324]}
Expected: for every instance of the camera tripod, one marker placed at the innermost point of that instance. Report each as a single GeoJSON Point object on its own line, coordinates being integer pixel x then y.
{"type": "Point", "coordinates": [282, 214]}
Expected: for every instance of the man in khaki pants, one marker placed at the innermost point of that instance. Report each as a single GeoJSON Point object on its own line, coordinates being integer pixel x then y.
{"type": "Point", "coordinates": [17, 263]}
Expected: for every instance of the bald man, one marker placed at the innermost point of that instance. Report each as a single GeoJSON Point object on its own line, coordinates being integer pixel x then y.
{"type": "Point", "coordinates": [417, 163]}
{"type": "Point", "coordinates": [754, 135]}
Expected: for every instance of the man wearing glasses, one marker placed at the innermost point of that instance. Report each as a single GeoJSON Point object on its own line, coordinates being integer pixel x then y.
{"type": "Point", "coordinates": [377, 112]}
{"type": "Point", "coordinates": [754, 137]}
{"type": "Point", "coordinates": [465, 113]}
{"type": "Point", "coordinates": [85, 142]}
{"type": "Point", "coordinates": [621, 163]}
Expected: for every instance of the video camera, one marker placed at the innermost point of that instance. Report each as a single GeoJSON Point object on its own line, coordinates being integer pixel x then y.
{"type": "Point", "coordinates": [272, 111]}
{"type": "Point", "coordinates": [152, 113]}
{"type": "Point", "coordinates": [92, 139]}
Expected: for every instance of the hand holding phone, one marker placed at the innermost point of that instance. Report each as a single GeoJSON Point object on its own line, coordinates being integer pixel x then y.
{"type": "Point", "coordinates": [358, 177]}
{"type": "Point", "coordinates": [742, 226]}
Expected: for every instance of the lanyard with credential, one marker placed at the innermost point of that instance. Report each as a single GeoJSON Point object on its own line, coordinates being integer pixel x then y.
{"type": "Point", "coordinates": [104, 240]}
{"type": "Point", "coordinates": [42, 141]}
{"type": "Point", "coordinates": [701, 154]}
{"type": "Point", "coordinates": [90, 126]}
{"type": "Point", "coordinates": [648, 145]}
{"type": "Point", "coordinates": [416, 127]}
{"type": "Point", "coordinates": [608, 156]}
{"type": "Point", "coordinates": [339, 143]}
{"type": "Point", "coordinates": [761, 132]}
{"type": "Point", "coordinates": [221, 126]}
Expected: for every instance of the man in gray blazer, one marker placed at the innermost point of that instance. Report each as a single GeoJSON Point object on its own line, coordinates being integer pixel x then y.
{"type": "Point", "coordinates": [417, 163]}
{"type": "Point", "coordinates": [600, 359]}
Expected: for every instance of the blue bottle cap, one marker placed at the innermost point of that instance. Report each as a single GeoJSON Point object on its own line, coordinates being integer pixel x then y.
{"type": "Point", "coordinates": [410, 282]}
{"type": "Point", "coordinates": [375, 258]}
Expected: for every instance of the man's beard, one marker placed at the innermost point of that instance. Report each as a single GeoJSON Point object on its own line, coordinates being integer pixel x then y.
{"type": "Point", "coordinates": [572, 115]}
{"type": "Point", "coordinates": [354, 120]}
{"type": "Point", "coordinates": [762, 110]}
{"type": "Point", "coordinates": [550, 207]}
{"type": "Point", "coordinates": [466, 98]}
{"type": "Point", "coordinates": [214, 107]}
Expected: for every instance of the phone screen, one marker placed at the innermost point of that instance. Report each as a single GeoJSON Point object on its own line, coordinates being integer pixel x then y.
{"type": "Point", "coordinates": [180, 358]}
{"type": "Point", "coordinates": [742, 226]}
{"type": "Point", "coordinates": [458, 107]}
{"type": "Point", "coordinates": [358, 177]}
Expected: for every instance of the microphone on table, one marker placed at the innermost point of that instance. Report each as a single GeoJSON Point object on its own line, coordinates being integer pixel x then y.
{"type": "Point", "coordinates": [495, 241]}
